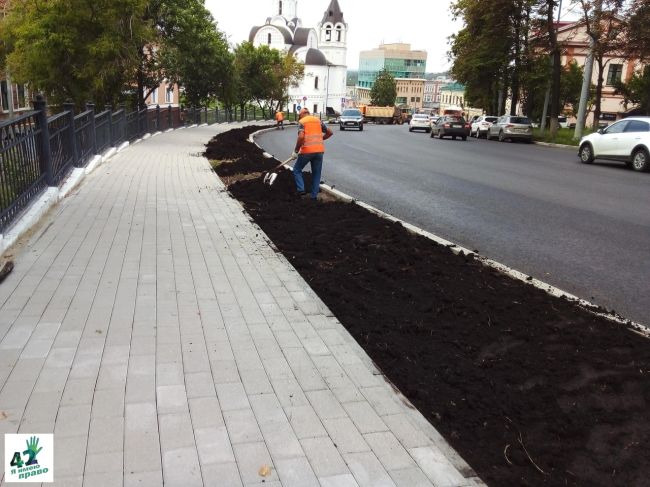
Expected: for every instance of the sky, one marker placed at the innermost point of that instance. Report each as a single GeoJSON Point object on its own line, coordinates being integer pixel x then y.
{"type": "Point", "coordinates": [425, 24]}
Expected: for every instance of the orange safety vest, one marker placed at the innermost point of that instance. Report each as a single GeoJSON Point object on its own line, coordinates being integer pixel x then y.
{"type": "Point", "coordinates": [313, 135]}
{"type": "Point", "coordinates": [279, 116]}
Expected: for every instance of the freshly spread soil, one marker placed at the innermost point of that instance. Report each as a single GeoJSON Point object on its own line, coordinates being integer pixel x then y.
{"type": "Point", "coordinates": [529, 389]}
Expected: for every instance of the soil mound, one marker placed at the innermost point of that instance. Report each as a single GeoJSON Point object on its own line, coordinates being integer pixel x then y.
{"type": "Point", "coordinates": [529, 389]}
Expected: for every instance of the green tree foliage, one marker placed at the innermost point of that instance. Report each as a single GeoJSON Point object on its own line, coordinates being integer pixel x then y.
{"type": "Point", "coordinates": [102, 50]}
{"type": "Point", "coordinates": [637, 90]}
{"type": "Point", "coordinates": [638, 29]}
{"type": "Point", "coordinates": [263, 75]}
{"type": "Point", "coordinates": [384, 90]}
{"type": "Point", "coordinates": [75, 49]}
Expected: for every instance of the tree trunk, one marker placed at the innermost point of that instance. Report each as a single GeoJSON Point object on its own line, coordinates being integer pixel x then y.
{"type": "Point", "coordinates": [515, 72]}
{"type": "Point", "coordinates": [556, 70]}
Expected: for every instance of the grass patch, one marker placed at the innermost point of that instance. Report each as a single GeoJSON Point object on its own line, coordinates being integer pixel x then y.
{"type": "Point", "coordinates": [564, 136]}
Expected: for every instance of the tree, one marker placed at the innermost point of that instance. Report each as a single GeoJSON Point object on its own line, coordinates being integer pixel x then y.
{"type": "Point", "coordinates": [74, 49]}
{"type": "Point", "coordinates": [570, 87]}
{"type": "Point", "coordinates": [384, 90]}
{"type": "Point", "coordinates": [637, 90]}
{"type": "Point", "coordinates": [264, 75]}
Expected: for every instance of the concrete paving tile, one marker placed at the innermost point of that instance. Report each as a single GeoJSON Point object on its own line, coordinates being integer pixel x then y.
{"type": "Point", "coordinates": [214, 445]}
{"type": "Point", "coordinates": [205, 411]}
{"type": "Point", "coordinates": [251, 457]}
{"type": "Point", "coordinates": [232, 396]}
{"type": "Point", "coordinates": [199, 384]}
{"type": "Point", "coordinates": [338, 481]}
{"type": "Point", "coordinates": [181, 468]}
{"type": "Point", "coordinates": [364, 417]}
{"type": "Point", "coordinates": [171, 399]}
{"type": "Point", "coordinates": [106, 435]}
{"type": "Point", "coordinates": [438, 468]}
{"type": "Point", "coordinates": [305, 422]}
{"type": "Point", "coordinates": [175, 431]}
{"type": "Point", "coordinates": [104, 463]}
{"type": "Point", "coordinates": [242, 426]}
{"type": "Point", "coordinates": [325, 404]}
{"type": "Point", "coordinates": [102, 479]}
{"type": "Point", "coordinates": [389, 451]}
{"type": "Point", "coordinates": [367, 470]}
{"type": "Point", "coordinates": [143, 479]}
{"type": "Point", "coordinates": [345, 435]}
{"type": "Point", "coordinates": [281, 440]}
{"type": "Point", "coordinates": [226, 474]}
{"type": "Point", "coordinates": [410, 477]}
{"type": "Point", "coordinates": [296, 472]}
{"type": "Point", "coordinates": [405, 431]}
{"type": "Point", "coordinates": [324, 457]}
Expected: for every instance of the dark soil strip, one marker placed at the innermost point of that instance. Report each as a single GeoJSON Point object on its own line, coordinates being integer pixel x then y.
{"type": "Point", "coordinates": [529, 389]}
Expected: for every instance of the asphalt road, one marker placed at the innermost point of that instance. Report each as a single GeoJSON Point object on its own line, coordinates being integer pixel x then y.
{"type": "Point", "coordinates": [582, 228]}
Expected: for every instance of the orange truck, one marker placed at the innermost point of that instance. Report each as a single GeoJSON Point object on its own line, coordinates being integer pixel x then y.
{"type": "Point", "coordinates": [381, 115]}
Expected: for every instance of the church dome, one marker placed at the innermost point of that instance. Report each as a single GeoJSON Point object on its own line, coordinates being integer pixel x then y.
{"type": "Point", "coordinates": [314, 57]}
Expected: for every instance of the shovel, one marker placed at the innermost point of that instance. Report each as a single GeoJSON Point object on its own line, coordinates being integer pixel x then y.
{"type": "Point", "coordinates": [271, 176]}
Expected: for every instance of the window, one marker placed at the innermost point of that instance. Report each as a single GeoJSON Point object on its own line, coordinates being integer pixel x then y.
{"type": "Point", "coordinates": [412, 98]}
{"type": "Point", "coordinates": [315, 108]}
{"type": "Point", "coordinates": [614, 74]}
{"type": "Point", "coordinates": [169, 94]}
{"type": "Point", "coordinates": [268, 39]}
{"type": "Point", "coordinates": [637, 126]}
{"type": "Point", "coordinates": [21, 96]}
{"type": "Point", "coordinates": [154, 96]}
{"type": "Point", "coordinates": [617, 128]}
{"type": "Point", "coordinates": [280, 8]}
{"type": "Point", "coordinates": [316, 83]}
{"type": "Point", "coordinates": [328, 35]}
{"type": "Point", "coordinates": [338, 34]}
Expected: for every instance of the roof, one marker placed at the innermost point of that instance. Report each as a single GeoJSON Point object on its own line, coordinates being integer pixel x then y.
{"type": "Point", "coordinates": [301, 36]}
{"type": "Point", "coordinates": [333, 13]}
{"type": "Point", "coordinates": [286, 33]}
{"type": "Point", "coordinates": [314, 57]}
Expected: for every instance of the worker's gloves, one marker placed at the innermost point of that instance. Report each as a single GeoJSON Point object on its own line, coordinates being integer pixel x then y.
{"type": "Point", "coordinates": [294, 155]}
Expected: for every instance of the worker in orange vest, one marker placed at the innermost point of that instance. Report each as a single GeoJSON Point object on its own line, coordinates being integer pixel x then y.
{"type": "Point", "coordinates": [279, 120]}
{"type": "Point", "coordinates": [309, 149]}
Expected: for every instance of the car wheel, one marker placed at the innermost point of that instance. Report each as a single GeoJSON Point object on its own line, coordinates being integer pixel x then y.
{"type": "Point", "coordinates": [464, 139]}
{"type": "Point", "coordinates": [586, 154]}
{"type": "Point", "coordinates": [361, 128]}
{"type": "Point", "coordinates": [501, 137]}
{"type": "Point", "coordinates": [641, 160]}
{"type": "Point", "coordinates": [410, 129]}
{"type": "Point", "coordinates": [488, 136]}
{"type": "Point", "coordinates": [341, 128]}
{"type": "Point", "coordinates": [440, 135]}
{"type": "Point", "coordinates": [428, 131]}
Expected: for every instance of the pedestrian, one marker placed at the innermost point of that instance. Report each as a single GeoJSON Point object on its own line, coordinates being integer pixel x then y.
{"type": "Point", "coordinates": [279, 119]}
{"type": "Point", "coordinates": [309, 149]}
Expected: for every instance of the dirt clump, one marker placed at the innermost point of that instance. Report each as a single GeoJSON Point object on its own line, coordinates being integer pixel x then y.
{"type": "Point", "coordinates": [528, 388]}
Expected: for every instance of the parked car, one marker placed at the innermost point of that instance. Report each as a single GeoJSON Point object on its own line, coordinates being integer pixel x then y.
{"type": "Point", "coordinates": [627, 140]}
{"type": "Point", "coordinates": [351, 118]}
{"type": "Point", "coordinates": [511, 128]}
{"type": "Point", "coordinates": [450, 126]}
{"type": "Point", "coordinates": [480, 126]}
{"type": "Point", "coordinates": [420, 121]}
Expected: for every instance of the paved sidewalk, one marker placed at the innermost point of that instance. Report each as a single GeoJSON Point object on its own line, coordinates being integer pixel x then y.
{"type": "Point", "coordinates": [152, 328]}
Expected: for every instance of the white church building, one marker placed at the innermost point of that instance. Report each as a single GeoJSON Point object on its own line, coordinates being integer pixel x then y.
{"type": "Point", "coordinates": [322, 50]}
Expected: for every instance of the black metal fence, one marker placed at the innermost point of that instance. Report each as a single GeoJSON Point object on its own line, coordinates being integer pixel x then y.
{"type": "Point", "coordinates": [37, 151]}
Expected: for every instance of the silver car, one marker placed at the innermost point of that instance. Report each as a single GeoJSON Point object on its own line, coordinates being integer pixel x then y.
{"type": "Point", "coordinates": [511, 127]}
{"type": "Point", "coordinates": [420, 121]}
{"type": "Point", "coordinates": [351, 118]}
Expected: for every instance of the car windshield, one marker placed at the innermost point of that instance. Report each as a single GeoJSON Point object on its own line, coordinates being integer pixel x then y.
{"type": "Point", "coordinates": [351, 113]}
{"type": "Point", "coordinates": [522, 120]}
{"type": "Point", "coordinates": [491, 119]}
{"type": "Point", "coordinates": [421, 116]}
{"type": "Point", "coordinates": [454, 119]}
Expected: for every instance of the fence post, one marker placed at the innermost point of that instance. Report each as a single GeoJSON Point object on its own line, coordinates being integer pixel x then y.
{"type": "Point", "coordinates": [254, 113]}
{"type": "Point", "coordinates": [110, 124]}
{"type": "Point", "coordinates": [157, 118]}
{"type": "Point", "coordinates": [123, 122]}
{"type": "Point", "coordinates": [72, 139]}
{"type": "Point", "coordinates": [206, 114]}
{"type": "Point", "coordinates": [91, 106]}
{"type": "Point", "coordinates": [170, 122]}
{"type": "Point", "coordinates": [46, 154]}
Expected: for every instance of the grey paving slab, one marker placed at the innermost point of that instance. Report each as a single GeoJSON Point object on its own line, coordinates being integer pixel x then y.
{"type": "Point", "coordinates": [150, 325]}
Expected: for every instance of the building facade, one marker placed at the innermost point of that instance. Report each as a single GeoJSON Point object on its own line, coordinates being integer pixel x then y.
{"type": "Point", "coordinates": [164, 95]}
{"type": "Point", "coordinates": [574, 40]}
{"type": "Point", "coordinates": [323, 51]}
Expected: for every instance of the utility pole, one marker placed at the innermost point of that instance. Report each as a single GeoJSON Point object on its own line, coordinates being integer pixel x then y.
{"type": "Point", "coordinates": [586, 77]}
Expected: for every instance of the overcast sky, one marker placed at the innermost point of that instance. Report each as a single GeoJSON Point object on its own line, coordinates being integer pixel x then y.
{"type": "Point", "coordinates": [425, 24]}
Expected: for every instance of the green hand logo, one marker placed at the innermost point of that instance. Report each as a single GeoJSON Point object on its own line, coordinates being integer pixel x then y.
{"type": "Point", "coordinates": [32, 450]}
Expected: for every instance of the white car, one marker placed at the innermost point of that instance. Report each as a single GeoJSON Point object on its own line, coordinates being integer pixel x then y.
{"type": "Point", "coordinates": [627, 140]}
{"type": "Point", "coordinates": [420, 121]}
{"type": "Point", "coordinates": [481, 125]}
